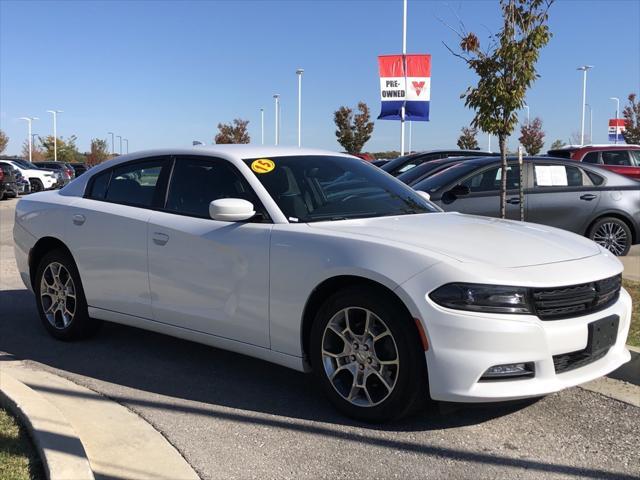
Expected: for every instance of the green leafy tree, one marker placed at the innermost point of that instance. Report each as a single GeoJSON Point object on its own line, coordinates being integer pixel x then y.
{"type": "Point", "coordinates": [4, 140]}
{"type": "Point", "coordinates": [506, 69]}
{"type": "Point", "coordinates": [353, 131]}
{"type": "Point", "coordinates": [468, 139]}
{"type": "Point", "coordinates": [235, 132]}
{"type": "Point", "coordinates": [532, 136]}
{"type": "Point", "coordinates": [99, 152]}
{"type": "Point", "coordinates": [557, 144]}
{"type": "Point", "coordinates": [631, 114]}
{"type": "Point", "coordinates": [67, 150]}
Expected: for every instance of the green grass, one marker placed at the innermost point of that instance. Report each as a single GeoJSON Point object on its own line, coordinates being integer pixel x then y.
{"type": "Point", "coordinates": [634, 333]}
{"type": "Point", "coordinates": [18, 458]}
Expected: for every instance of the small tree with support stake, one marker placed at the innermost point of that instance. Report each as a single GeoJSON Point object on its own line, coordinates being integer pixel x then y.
{"type": "Point", "coordinates": [506, 70]}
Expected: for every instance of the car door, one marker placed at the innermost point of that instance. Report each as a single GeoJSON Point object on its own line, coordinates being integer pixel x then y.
{"type": "Point", "coordinates": [562, 196]}
{"type": "Point", "coordinates": [108, 235]}
{"type": "Point", "coordinates": [484, 193]}
{"type": "Point", "coordinates": [206, 275]}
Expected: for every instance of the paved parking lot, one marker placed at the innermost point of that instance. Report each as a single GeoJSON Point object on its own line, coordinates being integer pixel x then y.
{"type": "Point", "coordinates": [235, 417]}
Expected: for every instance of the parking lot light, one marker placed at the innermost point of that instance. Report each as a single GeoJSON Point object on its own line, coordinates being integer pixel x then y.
{"type": "Point", "coordinates": [55, 133]}
{"type": "Point", "coordinates": [113, 146]}
{"type": "Point", "coordinates": [584, 69]}
{"type": "Point", "coordinates": [617, 100]}
{"type": "Point", "coordinates": [277, 107]}
{"type": "Point", "coordinates": [299, 72]}
{"type": "Point", "coordinates": [29, 120]}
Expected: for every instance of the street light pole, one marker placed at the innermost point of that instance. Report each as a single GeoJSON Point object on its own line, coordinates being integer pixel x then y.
{"type": "Point", "coordinates": [113, 146]}
{"type": "Point", "coordinates": [404, 68]}
{"type": "Point", "coordinates": [55, 133]}
{"type": "Point", "coordinates": [126, 140]}
{"type": "Point", "coordinates": [584, 69]}
{"type": "Point", "coordinates": [30, 138]}
{"type": "Point", "coordinates": [277, 106]}
{"type": "Point", "coordinates": [617, 100]}
{"type": "Point", "coordinates": [119, 137]}
{"type": "Point", "coordinates": [299, 72]}
{"type": "Point", "coordinates": [262, 126]}
{"type": "Point", "coordinates": [590, 123]}
{"type": "Point", "coordinates": [527, 107]}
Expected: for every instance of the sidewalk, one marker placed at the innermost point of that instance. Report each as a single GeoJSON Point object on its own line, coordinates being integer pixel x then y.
{"type": "Point", "coordinates": [81, 434]}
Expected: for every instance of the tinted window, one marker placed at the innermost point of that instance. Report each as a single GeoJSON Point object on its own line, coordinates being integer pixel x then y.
{"type": "Point", "coordinates": [320, 188]}
{"type": "Point", "coordinates": [197, 182]}
{"type": "Point", "coordinates": [557, 176]}
{"type": "Point", "coordinates": [445, 177]}
{"type": "Point", "coordinates": [490, 180]}
{"type": "Point", "coordinates": [635, 154]}
{"type": "Point", "coordinates": [99, 185]}
{"type": "Point", "coordinates": [135, 184]}
{"type": "Point", "coordinates": [595, 179]}
{"type": "Point", "coordinates": [616, 157]}
{"type": "Point", "coordinates": [591, 157]}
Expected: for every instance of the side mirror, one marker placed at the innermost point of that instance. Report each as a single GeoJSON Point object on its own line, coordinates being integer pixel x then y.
{"type": "Point", "coordinates": [424, 195]}
{"type": "Point", "coordinates": [231, 210]}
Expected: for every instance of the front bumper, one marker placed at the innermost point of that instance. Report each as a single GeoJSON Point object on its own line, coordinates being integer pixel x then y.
{"type": "Point", "coordinates": [463, 345]}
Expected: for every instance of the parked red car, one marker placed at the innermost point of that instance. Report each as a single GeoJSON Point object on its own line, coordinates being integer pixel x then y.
{"type": "Point", "coordinates": [622, 159]}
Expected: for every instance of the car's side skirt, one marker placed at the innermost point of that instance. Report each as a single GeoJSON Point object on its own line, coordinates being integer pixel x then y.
{"type": "Point", "coordinates": [289, 361]}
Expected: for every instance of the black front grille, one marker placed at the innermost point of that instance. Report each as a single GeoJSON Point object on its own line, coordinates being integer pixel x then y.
{"type": "Point", "coordinates": [575, 300]}
{"type": "Point", "coordinates": [573, 360]}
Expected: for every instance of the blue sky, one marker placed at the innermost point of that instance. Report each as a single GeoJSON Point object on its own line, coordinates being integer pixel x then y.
{"type": "Point", "coordinates": [163, 73]}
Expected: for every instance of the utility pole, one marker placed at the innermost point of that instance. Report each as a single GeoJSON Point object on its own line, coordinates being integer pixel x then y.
{"type": "Point", "coordinates": [404, 68]}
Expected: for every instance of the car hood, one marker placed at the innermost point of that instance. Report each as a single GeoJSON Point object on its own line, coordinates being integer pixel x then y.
{"type": "Point", "coordinates": [470, 238]}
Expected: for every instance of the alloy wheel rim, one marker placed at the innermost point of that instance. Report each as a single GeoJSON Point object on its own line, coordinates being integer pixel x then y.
{"type": "Point", "coordinates": [612, 237]}
{"type": "Point", "coordinates": [58, 295]}
{"type": "Point", "coordinates": [360, 357]}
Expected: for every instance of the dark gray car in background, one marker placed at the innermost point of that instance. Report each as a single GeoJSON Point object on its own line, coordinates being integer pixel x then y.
{"type": "Point", "coordinates": [587, 200]}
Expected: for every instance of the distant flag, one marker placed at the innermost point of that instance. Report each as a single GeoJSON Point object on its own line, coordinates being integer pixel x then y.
{"type": "Point", "coordinates": [616, 127]}
{"type": "Point", "coordinates": [393, 91]}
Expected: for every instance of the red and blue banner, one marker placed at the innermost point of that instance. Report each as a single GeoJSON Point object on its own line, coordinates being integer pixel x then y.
{"type": "Point", "coordinates": [394, 82]}
{"type": "Point", "coordinates": [616, 127]}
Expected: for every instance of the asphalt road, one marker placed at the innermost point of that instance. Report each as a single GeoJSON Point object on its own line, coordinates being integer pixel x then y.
{"type": "Point", "coordinates": [235, 417]}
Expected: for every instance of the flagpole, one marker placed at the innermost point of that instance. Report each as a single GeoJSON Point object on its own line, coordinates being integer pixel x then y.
{"type": "Point", "coordinates": [404, 67]}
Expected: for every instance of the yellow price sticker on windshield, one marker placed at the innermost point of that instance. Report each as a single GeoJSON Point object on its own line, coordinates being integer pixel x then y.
{"type": "Point", "coordinates": [262, 165]}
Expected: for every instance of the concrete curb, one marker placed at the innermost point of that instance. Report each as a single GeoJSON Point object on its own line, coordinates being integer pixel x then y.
{"type": "Point", "coordinates": [60, 448]}
{"type": "Point", "coordinates": [117, 442]}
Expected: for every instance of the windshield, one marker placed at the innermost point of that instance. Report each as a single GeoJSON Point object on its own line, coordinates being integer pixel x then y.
{"type": "Point", "coordinates": [319, 188]}
{"type": "Point", "coordinates": [26, 164]}
{"type": "Point", "coordinates": [445, 177]}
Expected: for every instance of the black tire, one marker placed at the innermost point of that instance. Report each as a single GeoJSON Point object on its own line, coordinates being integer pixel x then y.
{"type": "Point", "coordinates": [81, 325]}
{"type": "Point", "coordinates": [410, 390]}
{"type": "Point", "coordinates": [612, 234]}
{"type": "Point", "coordinates": [36, 185]}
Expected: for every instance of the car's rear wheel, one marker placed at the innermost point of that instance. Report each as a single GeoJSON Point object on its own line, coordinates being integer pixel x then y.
{"type": "Point", "coordinates": [366, 354]}
{"type": "Point", "coordinates": [60, 298]}
{"type": "Point", "coordinates": [612, 234]}
{"type": "Point", "coordinates": [36, 185]}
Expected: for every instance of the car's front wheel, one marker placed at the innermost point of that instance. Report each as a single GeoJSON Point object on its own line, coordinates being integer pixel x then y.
{"type": "Point", "coordinates": [612, 234]}
{"type": "Point", "coordinates": [36, 185]}
{"type": "Point", "coordinates": [60, 298]}
{"type": "Point", "coordinates": [366, 354]}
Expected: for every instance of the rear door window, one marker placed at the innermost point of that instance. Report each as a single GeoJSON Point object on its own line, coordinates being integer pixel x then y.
{"type": "Point", "coordinates": [618, 158]}
{"type": "Point", "coordinates": [490, 180]}
{"type": "Point", "coordinates": [135, 184]}
{"type": "Point", "coordinates": [547, 175]}
{"type": "Point", "coordinates": [591, 157]}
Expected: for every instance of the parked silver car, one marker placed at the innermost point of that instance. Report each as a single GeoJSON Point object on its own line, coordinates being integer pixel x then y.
{"type": "Point", "coordinates": [587, 200]}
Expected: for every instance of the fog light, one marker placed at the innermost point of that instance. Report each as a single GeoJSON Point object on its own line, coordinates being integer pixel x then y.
{"type": "Point", "coordinates": [509, 371]}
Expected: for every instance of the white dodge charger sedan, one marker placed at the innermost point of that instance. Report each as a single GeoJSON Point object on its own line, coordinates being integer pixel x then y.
{"type": "Point", "coordinates": [321, 262]}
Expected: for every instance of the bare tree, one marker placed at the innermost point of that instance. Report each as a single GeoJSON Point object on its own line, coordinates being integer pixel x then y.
{"type": "Point", "coordinates": [4, 140]}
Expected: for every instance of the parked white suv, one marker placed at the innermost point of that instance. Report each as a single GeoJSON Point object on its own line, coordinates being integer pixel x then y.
{"type": "Point", "coordinates": [39, 178]}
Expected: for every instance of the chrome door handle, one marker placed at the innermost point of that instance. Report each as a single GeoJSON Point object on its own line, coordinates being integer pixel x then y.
{"type": "Point", "coordinates": [588, 197]}
{"type": "Point", "coordinates": [160, 238]}
{"type": "Point", "coordinates": [513, 201]}
{"type": "Point", "coordinates": [78, 219]}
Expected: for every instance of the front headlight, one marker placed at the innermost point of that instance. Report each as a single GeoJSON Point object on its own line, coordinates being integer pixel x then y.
{"type": "Point", "coordinates": [483, 298]}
